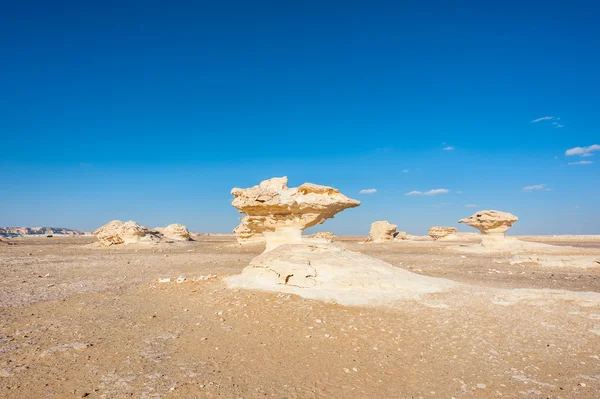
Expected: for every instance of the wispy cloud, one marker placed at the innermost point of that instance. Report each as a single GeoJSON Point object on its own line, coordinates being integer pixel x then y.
{"type": "Point", "coordinates": [583, 151]}
{"type": "Point", "coordinates": [449, 148]}
{"type": "Point", "coordinates": [405, 171]}
{"type": "Point", "coordinates": [470, 206]}
{"type": "Point", "coordinates": [535, 187]}
{"type": "Point", "coordinates": [368, 191]}
{"type": "Point", "coordinates": [581, 163]}
{"type": "Point", "coordinates": [557, 125]}
{"type": "Point", "coordinates": [437, 191]}
{"type": "Point", "coordinates": [543, 118]}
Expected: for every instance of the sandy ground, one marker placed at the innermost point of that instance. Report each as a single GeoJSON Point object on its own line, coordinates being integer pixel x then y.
{"type": "Point", "coordinates": [82, 322]}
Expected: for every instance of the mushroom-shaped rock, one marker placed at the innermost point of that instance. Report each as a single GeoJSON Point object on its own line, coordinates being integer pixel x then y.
{"type": "Point", "coordinates": [247, 236]}
{"type": "Point", "coordinates": [176, 232]}
{"type": "Point", "coordinates": [282, 213]}
{"type": "Point", "coordinates": [437, 232]}
{"type": "Point", "coordinates": [382, 231]}
{"type": "Point", "coordinates": [492, 224]}
{"type": "Point", "coordinates": [117, 232]}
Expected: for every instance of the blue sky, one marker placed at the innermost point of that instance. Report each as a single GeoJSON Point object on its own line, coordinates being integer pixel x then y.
{"type": "Point", "coordinates": [153, 111]}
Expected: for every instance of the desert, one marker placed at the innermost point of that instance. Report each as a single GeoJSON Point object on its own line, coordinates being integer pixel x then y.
{"type": "Point", "coordinates": [131, 313]}
{"type": "Point", "coordinates": [299, 200]}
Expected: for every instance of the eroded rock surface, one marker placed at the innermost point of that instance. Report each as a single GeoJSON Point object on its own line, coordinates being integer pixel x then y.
{"type": "Point", "coordinates": [492, 224]}
{"type": "Point", "coordinates": [281, 213]}
{"type": "Point", "coordinates": [330, 272]}
{"type": "Point", "coordinates": [247, 236]}
{"type": "Point", "coordinates": [438, 232]}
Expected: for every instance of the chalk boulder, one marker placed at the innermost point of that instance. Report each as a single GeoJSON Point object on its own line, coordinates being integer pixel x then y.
{"type": "Point", "coordinates": [439, 232]}
{"type": "Point", "coordinates": [382, 231]}
{"type": "Point", "coordinates": [118, 232]}
{"type": "Point", "coordinates": [177, 232]}
{"type": "Point", "coordinates": [492, 224]}
{"type": "Point", "coordinates": [281, 213]}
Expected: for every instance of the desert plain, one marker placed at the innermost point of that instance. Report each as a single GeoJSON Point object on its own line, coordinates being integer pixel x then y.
{"type": "Point", "coordinates": [81, 321]}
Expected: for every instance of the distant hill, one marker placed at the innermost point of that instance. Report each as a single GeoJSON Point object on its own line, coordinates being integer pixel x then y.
{"type": "Point", "coordinates": [38, 231]}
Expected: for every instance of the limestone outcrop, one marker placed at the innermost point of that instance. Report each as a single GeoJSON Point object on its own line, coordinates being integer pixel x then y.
{"type": "Point", "coordinates": [381, 231]}
{"type": "Point", "coordinates": [281, 213]}
{"type": "Point", "coordinates": [439, 232]}
{"type": "Point", "coordinates": [175, 231]}
{"type": "Point", "coordinates": [330, 272]}
{"type": "Point", "coordinates": [492, 224]}
{"type": "Point", "coordinates": [247, 236]}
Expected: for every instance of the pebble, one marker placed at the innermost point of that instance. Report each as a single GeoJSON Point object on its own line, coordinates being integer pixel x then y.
{"type": "Point", "coordinates": [481, 386]}
{"type": "Point", "coordinates": [164, 280]}
{"type": "Point", "coordinates": [180, 279]}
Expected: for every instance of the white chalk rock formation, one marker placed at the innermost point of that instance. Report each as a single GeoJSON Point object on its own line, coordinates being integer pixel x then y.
{"type": "Point", "coordinates": [439, 232]}
{"type": "Point", "coordinates": [332, 273]}
{"type": "Point", "coordinates": [247, 236]}
{"type": "Point", "coordinates": [175, 231]}
{"type": "Point", "coordinates": [492, 224]}
{"type": "Point", "coordinates": [281, 213]}
{"type": "Point", "coordinates": [117, 232]}
{"type": "Point", "coordinates": [381, 231]}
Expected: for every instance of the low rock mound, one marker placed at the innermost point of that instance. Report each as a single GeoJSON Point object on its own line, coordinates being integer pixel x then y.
{"type": "Point", "coordinates": [332, 273]}
{"type": "Point", "coordinates": [439, 232]}
{"type": "Point", "coordinates": [118, 232]}
{"type": "Point", "coordinates": [321, 237]}
{"type": "Point", "coordinates": [583, 262]}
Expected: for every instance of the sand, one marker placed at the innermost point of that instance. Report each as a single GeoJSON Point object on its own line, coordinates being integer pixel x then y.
{"type": "Point", "coordinates": [78, 321]}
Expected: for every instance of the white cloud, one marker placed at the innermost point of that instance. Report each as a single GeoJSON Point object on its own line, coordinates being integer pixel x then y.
{"type": "Point", "coordinates": [368, 191]}
{"type": "Point", "coordinates": [470, 206]}
{"type": "Point", "coordinates": [437, 191]}
{"type": "Point", "coordinates": [543, 118]}
{"type": "Point", "coordinates": [581, 163]}
{"type": "Point", "coordinates": [583, 151]}
{"type": "Point", "coordinates": [405, 171]}
{"type": "Point", "coordinates": [576, 207]}
{"type": "Point", "coordinates": [449, 148]}
{"type": "Point", "coordinates": [535, 187]}
{"type": "Point", "coordinates": [557, 125]}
